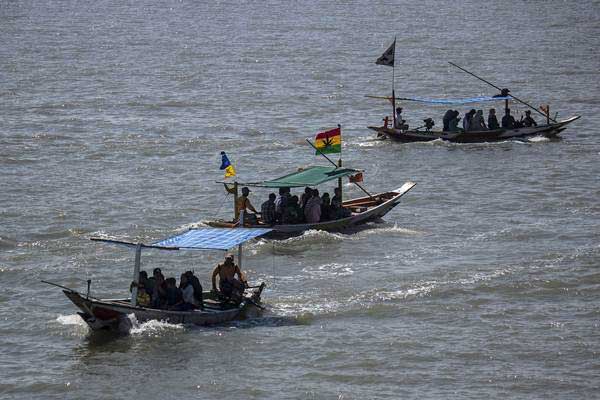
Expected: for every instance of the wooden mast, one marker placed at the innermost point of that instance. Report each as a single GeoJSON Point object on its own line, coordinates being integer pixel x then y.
{"type": "Point", "coordinates": [340, 163]}
{"type": "Point", "coordinates": [394, 87]}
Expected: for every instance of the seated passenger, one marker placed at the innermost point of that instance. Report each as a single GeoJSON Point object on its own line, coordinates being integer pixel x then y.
{"type": "Point", "coordinates": [453, 123]}
{"type": "Point", "coordinates": [312, 209]}
{"type": "Point", "coordinates": [529, 121]}
{"type": "Point", "coordinates": [325, 207]}
{"type": "Point", "coordinates": [281, 202]}
{"type": "Point", "coordinates": [467, 121]}
{"type": "Point", "coordinates": [492, 120]}
{"type": "Point", "coordinates": [143, 298]}
{"type": "Point", "coordinates": [267, 210]}
{"type": "Point", "coordinates": [446, 120]}
{"type": "Point", "coordinates": [174, 297]}
{"type": "Point", "coordinates": [159, 293]}
{"type": "Point", "coordinates": [195, 282]}
{"type": "Point", "coordinates": [292, 214]}
{"type": "Point", "coordinates": [478, 123]}
{"type": "Point", "coordinates": [305, 196]}
{"type": "Point", "coordinates": [229, 287]}
{"type": "Point", "coordinates": [187, 294]}
{"type": "Point", "coordinates": [143, 280]}
{"type": "Point", "coordinates": [508, 121]}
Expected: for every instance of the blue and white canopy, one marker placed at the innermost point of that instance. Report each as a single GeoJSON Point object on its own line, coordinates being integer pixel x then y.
{"type": "Point", "coordinates": [199, 239]}
{"type": "Point", "coordinates": [468, 100]}
{"type": "Point", "coordinates": [211, 238]}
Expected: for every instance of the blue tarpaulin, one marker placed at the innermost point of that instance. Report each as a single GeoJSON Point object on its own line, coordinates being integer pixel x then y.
{"type": "Point", "coordinates": [211, 238]}
{"type": "Point", "coordinates": [455, 101]}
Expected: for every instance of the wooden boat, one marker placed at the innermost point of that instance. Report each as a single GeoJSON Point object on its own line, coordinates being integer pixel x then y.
{"type": "Point", "coordinates": [359, 210]}
{"type": "Point", "coordinates": [550, 130]}
{"type": "Point", "coordinates": [114, 314]}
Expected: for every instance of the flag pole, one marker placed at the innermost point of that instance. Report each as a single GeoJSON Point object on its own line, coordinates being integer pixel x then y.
{"type": "Point", "coordinates": [334, 164]}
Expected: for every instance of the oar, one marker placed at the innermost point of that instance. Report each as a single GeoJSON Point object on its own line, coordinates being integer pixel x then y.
{"type": "Point", "coordinates": [491, 84]}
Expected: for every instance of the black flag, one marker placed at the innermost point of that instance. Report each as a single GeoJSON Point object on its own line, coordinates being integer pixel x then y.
{"type": "Point", "coordinates": [387, 58]}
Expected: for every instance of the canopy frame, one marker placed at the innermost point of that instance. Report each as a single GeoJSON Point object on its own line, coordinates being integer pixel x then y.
{"type": "Point", "coordinates": [188, 239]}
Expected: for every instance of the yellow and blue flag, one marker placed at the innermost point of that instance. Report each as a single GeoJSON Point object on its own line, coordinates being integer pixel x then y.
{"type": "Point", "coordinates": [226, 165]}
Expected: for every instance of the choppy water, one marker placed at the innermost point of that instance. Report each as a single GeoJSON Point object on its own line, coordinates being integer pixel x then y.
{"type": "Point", "coordinates": [484, 282]}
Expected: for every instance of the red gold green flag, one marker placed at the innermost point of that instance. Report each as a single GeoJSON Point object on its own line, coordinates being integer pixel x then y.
{"type": "Point", "coordinates": [329, 141]}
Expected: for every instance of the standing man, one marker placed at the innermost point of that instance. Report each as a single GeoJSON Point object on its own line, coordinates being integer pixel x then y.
{"type": "Point", "coordinates": [244, 205]}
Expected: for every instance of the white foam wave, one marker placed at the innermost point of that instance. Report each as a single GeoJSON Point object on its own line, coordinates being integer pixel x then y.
{"type": "Point", "coordinates": [538, 139]}
{"type": "Point", "coordinates": [152, 327]}
{"type": "Point", "coordinates": [330, 270]}
{"type": "Point", "coordinates": [72, 319]}
{"type": "Point", "coordinates": [386, 229]}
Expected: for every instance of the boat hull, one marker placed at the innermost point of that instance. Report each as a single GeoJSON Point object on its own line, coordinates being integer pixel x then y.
{"type": "Point", "coordinates": [364, 209]}
{"type": "Point", "coordinates": [113, 314]}
{"type": "Point", "coordinates": [550, 130]}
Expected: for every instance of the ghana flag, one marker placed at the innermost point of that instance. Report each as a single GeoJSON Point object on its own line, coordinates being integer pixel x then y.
{"type": "Point", "coordinates": [329, 141]}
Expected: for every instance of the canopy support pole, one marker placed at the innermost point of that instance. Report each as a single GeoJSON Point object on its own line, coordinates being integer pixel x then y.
{"type": "Point", "coordinates": [492, 85]}
{"type": "Point", "coordinates": [136, 274]}
{"type": "Point", "coordinates": [240, 256]}
{"type": "Point", "coordinates": [236, 212]}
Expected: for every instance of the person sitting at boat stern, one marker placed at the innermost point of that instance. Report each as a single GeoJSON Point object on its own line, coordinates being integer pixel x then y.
{"type": "Point", "coordinates": [244, 206]}
{"type": "Point", "coordinates": [230, 287]}
{"type": "Point", "coordinates": [492, 120]}
{"type": "Point", "coordinates": [267, 210]}
{"type": "Point", "coordinates": [529, 121]}
{"type": "Point", "coordinates": [400, 123]}
{"type": "Point", "coordinates": [143, 298]}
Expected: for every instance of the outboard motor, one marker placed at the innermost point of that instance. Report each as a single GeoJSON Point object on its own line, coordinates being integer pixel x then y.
{"type": "Point", "coordinates": [429, 123]}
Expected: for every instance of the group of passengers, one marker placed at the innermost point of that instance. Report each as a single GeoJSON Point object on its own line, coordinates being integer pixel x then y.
{"type": "Point", "coordinates": [475, 121]}
{"type": "Point", "coordinates": [158, 292]}
{"type": "Point", "coordinates": [286, 208]}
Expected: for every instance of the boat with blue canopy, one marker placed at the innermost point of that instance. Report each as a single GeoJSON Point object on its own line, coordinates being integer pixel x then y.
{"type": "Point", "coordinates": [397, 129]}
{"type": "Point", "coordinates": [424, 133]}
{"type": "Point", "coordinates": [114, 314]}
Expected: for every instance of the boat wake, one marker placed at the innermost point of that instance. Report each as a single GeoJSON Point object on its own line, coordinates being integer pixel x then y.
{"type": "Point", "coordinates": [312, 239]}
{"type": "Point", "coordinates": [151, 328]}
{"type": "Point", "coordinates": [315, 239]}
